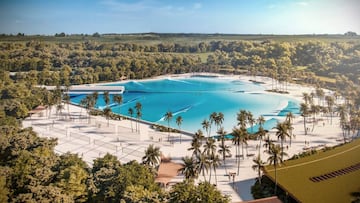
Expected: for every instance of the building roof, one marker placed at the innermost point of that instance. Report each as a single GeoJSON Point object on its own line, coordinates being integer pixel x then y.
{"type": "Point", "coordinates": [167, 170]}
{"type": "Point", "coordinates": [273, 199]}
{"type": "Point", "coordinates": [37, 109]}
{"type": "Point", "coordinates": [329, 176]}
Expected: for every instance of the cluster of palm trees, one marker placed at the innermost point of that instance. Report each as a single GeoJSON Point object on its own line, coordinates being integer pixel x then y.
{"type": "Point", "coordinates": [308, 108]}
{"type": "Point", "coordinates": [168, 117]}
{"type": "Point", "coordinates": [275, 151]}
{"type": "Point", "coordinates": [205, 157]}
{"type": "Point", "coordinates": [89, 102]}
{"type": "Point", "coordinates": [347, 110]}
{"type": "Point", "coordinates": [138, 113]}
{"type": "Point", "coordinates": [240, 134]}
{"type": "Point", "coordinates": [327, 104]}
{"type": "Point", "coordinates": [214, 118]}
{"type": "Point", "coordinates": [349, 120]}
{"type": "Point", "coordinates": [57, 97]}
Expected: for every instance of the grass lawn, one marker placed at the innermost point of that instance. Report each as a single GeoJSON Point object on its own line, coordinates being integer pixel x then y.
{"type": "Point", "coordinates": [293, 176]}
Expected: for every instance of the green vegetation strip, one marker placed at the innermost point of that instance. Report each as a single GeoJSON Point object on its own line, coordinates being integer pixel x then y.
{"type": "Point", "coordinates": [294, 175]}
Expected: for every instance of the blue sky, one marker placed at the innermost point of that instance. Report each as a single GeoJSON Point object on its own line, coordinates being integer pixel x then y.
{"type": "Point", "coordinates": [174, 16]}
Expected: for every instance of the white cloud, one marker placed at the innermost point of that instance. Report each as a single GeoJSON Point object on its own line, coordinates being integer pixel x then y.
{"type": "Point", "coordinates": [127, 7]}
{"type": "Point", "coordinates": [302, 3]}
{"type": "Point", "coordinates": [197, 6]}
{"type": "Point", "coordinates": [271, 6]}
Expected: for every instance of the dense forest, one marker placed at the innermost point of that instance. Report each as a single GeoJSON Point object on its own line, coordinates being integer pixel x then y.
{"type": "Point", "coordinates": [79, 60]}
{"type": "Point", "coordinates": [30, 170]}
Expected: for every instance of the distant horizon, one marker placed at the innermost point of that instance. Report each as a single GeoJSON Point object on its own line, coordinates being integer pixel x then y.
{"type": "Point", "coordinates": [279, 17]}
{"type": "Point", "coordinates": [182, 33]}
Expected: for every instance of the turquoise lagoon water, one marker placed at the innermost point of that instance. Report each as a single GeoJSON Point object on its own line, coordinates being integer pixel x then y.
{"type": "Point", "coordinates": [195, 98]}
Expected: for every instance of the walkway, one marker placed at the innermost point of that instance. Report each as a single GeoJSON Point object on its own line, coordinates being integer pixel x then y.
{"type": "Point", "coordinates": [89, 89]}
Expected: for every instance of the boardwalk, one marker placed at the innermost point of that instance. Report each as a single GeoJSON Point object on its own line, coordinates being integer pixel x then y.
{"type": "Point", "coordinates": [89, 89]}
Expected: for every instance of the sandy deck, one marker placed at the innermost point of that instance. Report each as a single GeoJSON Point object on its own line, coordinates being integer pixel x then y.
{"type": "Point", "coordinates": [95, 138]}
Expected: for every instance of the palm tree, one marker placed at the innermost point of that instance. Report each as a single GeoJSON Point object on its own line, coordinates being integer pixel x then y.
{"type": "Point", "coordinates": [240, 138]}
{"type": "Point", "coordinates": [138, 108]}
{"type": "Point", "coordinates": [152, 156]}
{"type": "Point", "coordinates": [261, 120]}
{"type": "Point", "coordinates": [206, 125]}
{"type": "Point", "coordinates": [189, 168]}
{"type": "Point", "coordinates": [268, 143]}
{"type": "Point", "coordinates": [107, 113]}
{"type": "Point", "coordinates": [89, 103]}
{"type": "Point", "coordinates": [199, 135]}
{"type": "Point", "coordinates": [195, 147]}
{"type": "Point", "coordinates": [215, 161]}
{"type": "Point", "coordinates": [168, 117]}
{"type": "Point", "coordinates": [219, 120]}
{"type": "Point", "coordinates": [242, 118]}
{"type": "Point", "coordinates": [251, 120]}
{"type": "Point", "coordinates": [49, 102]}
{"type": "Point", "coordinates": [66, 98]}
{"type": "Point", "coordinates": [209, 151]}
{"type": "Point", "coordinates": [275, 158]}
{"type": "Point", "coordinates": [82, 105]}
{"type": "Point", "coordinates": [330, 103]}
{"type": "Point", "coordinates": [306, 98]}
{"type": "Point", "coordinates": [107, 110]}
{"type": "Point", "coordinates": [243, 139]}
{"type": "Point", "coordinates": [59, 108]}
{"type": "Point", "coordinates": [57, 100]}
{"type": "Point", "coordinates": [118, 99]}
{"type": "Point", "coordinates": [304, 109]}
{"type": "Point", "coordinates": [289, 120]}
{"type": "Point", "coordinates": [179, 121]}
{"type": "Point", "coordinates": [314, 109]}
{"type": "Point", "coordinates": [203, 164]}
{"type": "Point", "coordinates": [281, 133]}
{"type": "Point", "coordinates": [261, 132]}
{"type": "Point", "coordinates": [258, 166]}
{"type": "Point", "coordinates": [290, 117]}
{"type": "Point", "coordinates": [320, 94]}
{"type": "Point", "coordinates": [95, 96]}
{"type": "Point", "coordinates": [131, 113]}
{"type": "Point", "coordinates": [209, 147]}
{"type": "Point", "coordinates": [236, 133]}
{"type": "Point", "coordinates": [290, 129]}
{"type": "Point", "coordinates": [212, 119]}
{"type": "Point", "coordinates": [106, 98]}
{"type": "Point", "coordinates": [224, 149]}
{"type": "Point", "coordinates": [343, 119]}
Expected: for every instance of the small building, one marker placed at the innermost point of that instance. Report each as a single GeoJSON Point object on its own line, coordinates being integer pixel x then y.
{"type": "Point", "coordinates": [327, 176]}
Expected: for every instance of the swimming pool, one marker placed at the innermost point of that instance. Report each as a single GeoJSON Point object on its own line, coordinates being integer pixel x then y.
{"type": "Point", "coordinates": [195, 98]}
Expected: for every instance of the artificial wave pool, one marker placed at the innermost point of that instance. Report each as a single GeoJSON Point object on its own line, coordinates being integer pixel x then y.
{"type": "Point", "coordinates": [195, 98]}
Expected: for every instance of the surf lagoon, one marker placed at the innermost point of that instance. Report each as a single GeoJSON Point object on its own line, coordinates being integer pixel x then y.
{"type": "Point", "coordinates": [195, 98]}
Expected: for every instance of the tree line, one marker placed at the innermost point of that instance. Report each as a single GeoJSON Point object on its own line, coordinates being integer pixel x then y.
{"type": "Point", "coordinates": [91, 61]}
